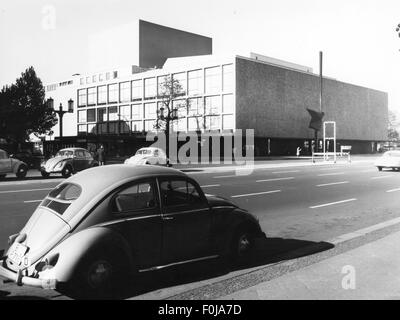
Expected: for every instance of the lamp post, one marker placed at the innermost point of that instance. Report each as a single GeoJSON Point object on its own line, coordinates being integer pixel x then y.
{"type": "Point", "coordinates": [61, 113]}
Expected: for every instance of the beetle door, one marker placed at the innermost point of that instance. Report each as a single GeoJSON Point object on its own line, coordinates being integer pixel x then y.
{"type": "Point", "coordinates": [5, 162]}
{"type": "Point", "coordinates": [79, 160]}
{"type": "Point", "coordinates": [186, 220]}
{"type": "Point", "coordinates": [136, 211]}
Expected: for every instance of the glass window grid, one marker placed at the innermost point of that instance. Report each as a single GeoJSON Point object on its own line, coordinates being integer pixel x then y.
{"type": "Point", "coordinates": [227, 78]}
{"type": "Point", "coordinates": [125, 91]}
{"type": "Point", "coordinates": [113, 93]}
{"type": "Point", "coordinates": [102, 94]}
{"type": "Point", "coordinates": [82, 97]}
{"type": "Point", "coordinates": [137, 90]}
{"type": "Point", "coordinates": [150, 88]}
{"type": "Point", "coordinates": [212, 80]}
{"type": "Point", "coordinates": [91, 96]}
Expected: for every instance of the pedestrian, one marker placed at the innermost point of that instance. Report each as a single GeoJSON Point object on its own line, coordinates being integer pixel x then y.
{"type": "Point", "coordinates": [101, 155]}
{"type": "Point", "coordinates": [298, 151]}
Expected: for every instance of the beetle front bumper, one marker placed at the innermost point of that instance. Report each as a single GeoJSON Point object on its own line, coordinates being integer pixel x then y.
{"type": "Point", "coordinates": [20, 279]}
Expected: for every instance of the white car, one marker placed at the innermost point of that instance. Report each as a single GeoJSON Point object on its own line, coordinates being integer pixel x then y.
{"type": "Point", "coordinates": [150, 155]}
{"type": "Point", "coordinates": [390, 159]}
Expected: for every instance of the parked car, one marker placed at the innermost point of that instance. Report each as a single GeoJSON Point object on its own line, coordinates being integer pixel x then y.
{"type": "Point", "coordinates": [390, 159]}
{"type": "Point", "coordinates": [68, 161]}
{"type": "Point", "coordinates": [148, 155]}
{"type": "Point", "coordinates": [32, 159]}
{"type": "Point", "coordinates": [10, 165]}
{"type": "Point", "coordinates": [104, 224]}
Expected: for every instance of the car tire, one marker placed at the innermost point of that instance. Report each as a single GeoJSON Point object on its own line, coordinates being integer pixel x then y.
{"type": "Point", "coordinates": [44, 174]}
{"type": "Point", "coordinates": [241, 245]}
{"type": "Point", "coordinates": [379, 168]}
{"type": "Point", "coordinates": [67, 171]}
{"type": "Point", "coordinates": [100, 276]}
{"type": "Point", "coordinates": [21, 172]}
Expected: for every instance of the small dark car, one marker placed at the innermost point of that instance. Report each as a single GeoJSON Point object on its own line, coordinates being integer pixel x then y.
{"type": "Point", "coordinates": [104, 224]}
{"type": "Point", "coordinates": [68, 161]}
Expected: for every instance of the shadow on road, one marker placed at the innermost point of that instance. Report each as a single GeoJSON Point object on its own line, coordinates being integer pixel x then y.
{"type": "Point", "coordinates": [266, 251]}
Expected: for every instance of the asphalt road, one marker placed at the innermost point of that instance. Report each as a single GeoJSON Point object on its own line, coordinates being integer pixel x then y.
{"type": "Point", "coordinates": [299, 203]}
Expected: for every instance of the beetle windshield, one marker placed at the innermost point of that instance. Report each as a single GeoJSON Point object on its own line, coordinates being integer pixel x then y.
{"type": "Point", "coordinates": [143, 151]}
{"type": "Point", "coordinates": [65, 153]}
{"type": "Point", "coordinates": [61, 197]}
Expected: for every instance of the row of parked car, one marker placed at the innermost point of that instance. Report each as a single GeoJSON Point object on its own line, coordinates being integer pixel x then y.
{"type": "Point", "coordinates": [69, 161]}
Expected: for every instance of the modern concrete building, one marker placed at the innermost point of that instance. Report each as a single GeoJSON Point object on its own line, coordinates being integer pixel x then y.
{"type": "Point", "coordinates": [221, 94]}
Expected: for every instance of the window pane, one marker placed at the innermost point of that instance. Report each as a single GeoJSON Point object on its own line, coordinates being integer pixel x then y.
{"type": "Point", "coordinates": [137, 89]}
{"type": "Point", "coordinates": [150, 110]}
{"type": "Point", "coordinates": [112, 113]}
{"type": "Point", "coordinates": [82, 97]}
{"type": "Point", "coordinates": [125, 113]}
{"type": "Point", "coordinates": [227, 122]}
{"type": "Point", "coordinates": [227, 103]}
{"type": "Point", "coordinates": [137, 111]}
{"type": "Point", "coordinates": [125, 91]}
{"type": "Point", "coordinates": [149, 125]}
{"type": "Point", "coordinates": [91, 115]}
{"type": "Point", "coordinates": [178, 193]}
{"type": "Point", "coordinates": [150, 87]}
{"type": "Point", "coordinates": [82, 116]}
{"type": "Point", "coordinates": [213, 105]}
{"type": "Point", "coordinates": [102, 94]}
{"type": "Point", "coordinates": [91, 96]}
{"type": "Point", "coordinates": [137, 197]}
{"type": "Point", "coordinates": [212, 123]}
{"type": "Point", "coordinates": [195, 123]}
{"type": "Point", "coordinates": [195, 106]}
{"type": "Point", "coordinates": [92, 129]}
{"type": "Point", "coordinates": [181, 79]}
{"type": "Point", "coordinates": [227, 78]}
{"type": "Point", "coordinates": [194, 82]}
{"type": "Point", "coordinates": [113, 92]}
{"type": "Point", "coordinates": [213, 80]}
{"type": "Point", "coordinates": [82, 128]}
{"type": "Point", "coordinates": [101, 114]}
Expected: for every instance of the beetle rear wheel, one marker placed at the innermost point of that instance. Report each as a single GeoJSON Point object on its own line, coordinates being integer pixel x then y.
{"type": "Point", "coordinates": [241, 245]}
{"type": "Point", "coordinates": [66, 172]}
{"type": "Point", "coordinates": [22, 170]}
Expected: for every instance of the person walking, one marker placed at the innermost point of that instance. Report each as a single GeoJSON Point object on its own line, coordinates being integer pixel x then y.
{"type": "Point", "coordinates": [298, 150]}
{"type": "Point", "coordinates": [101, 156]}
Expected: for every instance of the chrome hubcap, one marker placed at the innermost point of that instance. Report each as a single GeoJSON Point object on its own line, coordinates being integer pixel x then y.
{"type": "Point", "coordinates": [99, 273]}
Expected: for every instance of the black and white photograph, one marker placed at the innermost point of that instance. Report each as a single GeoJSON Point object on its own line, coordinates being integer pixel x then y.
{"type": "Point", "coordinates": [214, 152]}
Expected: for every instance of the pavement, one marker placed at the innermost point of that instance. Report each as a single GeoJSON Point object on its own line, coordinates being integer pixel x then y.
{"type": "Point", "coordinates": [371, 271]}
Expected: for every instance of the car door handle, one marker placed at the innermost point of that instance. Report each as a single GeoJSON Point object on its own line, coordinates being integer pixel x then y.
{"type": "Point", "coordinates": [168, 218]}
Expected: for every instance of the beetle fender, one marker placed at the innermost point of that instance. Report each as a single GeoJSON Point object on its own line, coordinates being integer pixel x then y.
{"type": "Point", "coordinates": [75, 248]}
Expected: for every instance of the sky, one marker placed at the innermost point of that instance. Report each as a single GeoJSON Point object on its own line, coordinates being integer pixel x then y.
{"type": "Point", "coordinates": [357, 37]}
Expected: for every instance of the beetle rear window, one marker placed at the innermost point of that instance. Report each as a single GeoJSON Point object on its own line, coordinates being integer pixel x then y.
{"type": "Point", "coordinates": [60, 198]}
{"type": "Point", "coordinates": [66, 191]}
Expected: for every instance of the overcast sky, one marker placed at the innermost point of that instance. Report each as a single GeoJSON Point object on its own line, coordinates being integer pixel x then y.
{"type": "Point", "coordinates": [357, 37]}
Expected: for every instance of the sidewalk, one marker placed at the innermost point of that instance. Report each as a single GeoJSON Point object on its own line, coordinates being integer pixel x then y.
{"type": "Point", "coordinates": [371, 271]}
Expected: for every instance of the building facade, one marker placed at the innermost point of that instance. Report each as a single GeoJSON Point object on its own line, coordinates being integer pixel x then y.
{"type": "Point", "coordinates": [220, 95]}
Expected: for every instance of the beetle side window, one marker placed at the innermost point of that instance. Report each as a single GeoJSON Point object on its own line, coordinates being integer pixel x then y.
{"type": "Point", "coordinates": [79, 154]}
{"type": "Point", "coordinates": [179, 193]}
{"type": "Point", "coordinates": [135, 197]}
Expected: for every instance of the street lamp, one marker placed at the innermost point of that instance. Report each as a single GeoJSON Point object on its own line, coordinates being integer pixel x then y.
{"type": "Point", "coordinates": [61, 112]}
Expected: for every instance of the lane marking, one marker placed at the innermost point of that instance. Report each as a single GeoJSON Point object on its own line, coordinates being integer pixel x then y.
{"type": "Point", "coordinates": [29, 201]}
{"type": "Point", "coordinates": [331, 184]}
{"type": "Point", "coordinates": [326, 169]}
{"type": "Point", "coordinates": [369, 170]}
{"type": "Point", "coordinates": [255, 194]}
{"type": "Point", "coordinates": [27, 190]}
{"type": "Point", "coordinates": [393, 190]}
{"type": "Point", "coordinates": [291, 171]}
{"type": "Point", "coordinates": [332, 203]}
{"type": "Point", "coordinates": [381, 177]}
{"type": "Point", "coordinates": [230, 176]}
{"type": "Point", "coordinates": [210, 185]}
{"type": "Point", "coordinates": [275, 179]}
{"type": "Point", "coordinates": [330, 174]}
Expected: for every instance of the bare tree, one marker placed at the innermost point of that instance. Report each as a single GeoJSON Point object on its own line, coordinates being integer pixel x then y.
{"type": "Point", "coordinates": [169, 92]}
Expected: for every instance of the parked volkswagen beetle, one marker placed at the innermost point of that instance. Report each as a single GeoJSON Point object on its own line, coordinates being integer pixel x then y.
{"type": "Point", "coordinates": [148, 155]}
{"type": "Point", "coordinates": [11, 165]}
{"type": "Point", "coordinates": [68, 161]}
{"type": "Point", "coordinates": [104, 224]}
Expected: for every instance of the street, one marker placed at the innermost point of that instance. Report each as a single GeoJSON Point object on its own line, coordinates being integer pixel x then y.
{"type": "Point", "coordinates": [297, 202]}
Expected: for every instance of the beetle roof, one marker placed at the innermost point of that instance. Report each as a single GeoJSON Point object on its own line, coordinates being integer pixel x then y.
{"type": "Point", "coordinates": [103, 176]}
